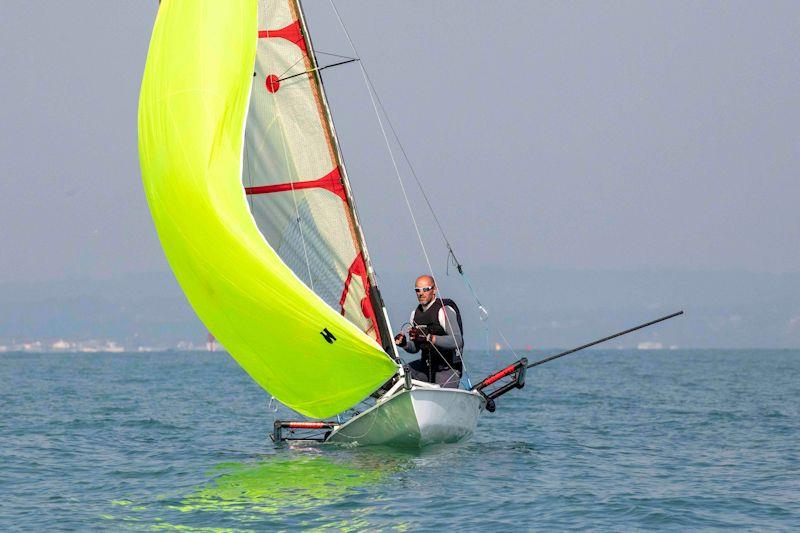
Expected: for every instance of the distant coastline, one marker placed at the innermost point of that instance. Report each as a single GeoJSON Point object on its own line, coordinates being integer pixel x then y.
{"type": "Point", "coordinates": [533, 307]}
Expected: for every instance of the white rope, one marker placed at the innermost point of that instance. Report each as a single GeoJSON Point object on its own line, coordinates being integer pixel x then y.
{"type": "Point", "coordinates": [376, 103]}
{"type": "Point", "coordinates": [278, 124]}
{"type": "Point", "coordinates": [299, 218]}
{"type": "Point", "coordinates": [368, 84]}
{"type": "Point", "coordinates": [414, 324]}
{"type": "Point", "coordinates": [375, 98]}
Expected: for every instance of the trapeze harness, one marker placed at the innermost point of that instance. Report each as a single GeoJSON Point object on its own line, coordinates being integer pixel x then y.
{"type": "Point", "coordinates": [438, 359]}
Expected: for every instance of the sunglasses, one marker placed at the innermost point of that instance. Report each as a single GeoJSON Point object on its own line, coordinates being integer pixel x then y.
{"type": "Point", "coordinates": [423, 289]}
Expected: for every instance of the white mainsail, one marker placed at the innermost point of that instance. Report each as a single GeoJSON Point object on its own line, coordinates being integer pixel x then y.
{"type": "Point", "coordinates": [294, 176]}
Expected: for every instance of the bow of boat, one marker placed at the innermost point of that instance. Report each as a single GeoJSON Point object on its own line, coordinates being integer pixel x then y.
{"type": "Point", "coordinates": [417, 417]}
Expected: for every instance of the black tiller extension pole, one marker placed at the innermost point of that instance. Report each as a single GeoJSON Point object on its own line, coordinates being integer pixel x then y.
{"type": "Point", "coordinates": [604, 339]}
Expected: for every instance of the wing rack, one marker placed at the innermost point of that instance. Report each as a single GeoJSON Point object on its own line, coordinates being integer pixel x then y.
{"type": "Point", "coordinates": [516, 371]}
{"type": "Point", "coordinates": [304, 426]}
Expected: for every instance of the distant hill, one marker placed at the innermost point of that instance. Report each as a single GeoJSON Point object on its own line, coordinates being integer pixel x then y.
{"type": "Point", "coordinates": [537, 307]}
{"type": "Point", "coordinates": [141, 309]}
{"type": "Point", "coordinates": [547, 308]}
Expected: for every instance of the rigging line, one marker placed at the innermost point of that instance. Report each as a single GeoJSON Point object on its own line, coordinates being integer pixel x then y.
{"type": "Point", "coordinates": [464, 372]}
{"type": "Point", "coordinates": [451, 253]}
{"type": "Point", "coordinates": [448, 325]}
{"type": "Point", "coordinates": [246, 158]}
{"type": "Point", "coordinates": [424, 194]}
{"type": "Point", "coordinates": [507, 343]}
{"type": "Point", "coordinates": [317, 52]}
{"type": "Point", "coordinates": [376, 98]}
{"type": "Point", "coordinates": [414, 174]}
{"type": "Point", "coordinates": [317, 69]}
{"type": "Point", "coordinates": [297, 214]}
{"type": "Point", "coordinates": [484, 314]}
{"type": "Point", "coordinates": [354, 221]}
{"type": "Point", "coordinates": [290, 68]}
{"type": "Point", "coordinates": [385, 136]}
{"type": "Point", "coordinates": [278, 124]}
{"type": "Point", "coordinates": [441, 355]}
{"type": "Point", "coordinates": [373, 95]}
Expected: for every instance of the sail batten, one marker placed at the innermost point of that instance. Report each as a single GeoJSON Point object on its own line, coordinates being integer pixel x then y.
{"type": "Point", "coordinates": [195, 134]}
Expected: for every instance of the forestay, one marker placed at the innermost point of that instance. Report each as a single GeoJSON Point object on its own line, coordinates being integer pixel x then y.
{"type": "Point", "coordinates": [192, 111]}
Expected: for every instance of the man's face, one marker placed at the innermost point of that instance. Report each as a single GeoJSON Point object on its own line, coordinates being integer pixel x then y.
{"type": "Point", "coordinates": [425, 290]}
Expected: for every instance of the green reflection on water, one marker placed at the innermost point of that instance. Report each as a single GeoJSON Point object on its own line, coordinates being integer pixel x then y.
{"type": "Point", "coordinates": [306, 488]}
{"type": "Point", "coordinates": [281, 484]}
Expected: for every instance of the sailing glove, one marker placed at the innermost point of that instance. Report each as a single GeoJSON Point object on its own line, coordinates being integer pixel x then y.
{"type": "Point", "coordinates": [400, 340]}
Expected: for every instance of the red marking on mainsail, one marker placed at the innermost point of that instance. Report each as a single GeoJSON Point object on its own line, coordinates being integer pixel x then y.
{"type": "Point", "coordinates": [359, 268]}
{"type": "Point", "coordinates": [291, 33]}
{"type": "Point", "coordinates": [331, 182]}
{"type": "Point", "coordinates": [273, 83]}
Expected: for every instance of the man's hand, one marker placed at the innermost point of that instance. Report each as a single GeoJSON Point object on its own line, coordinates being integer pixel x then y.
{"type": "Point", "coordinates": [417, 335]}
{"type": "Point", "coordinates": [400, 340]}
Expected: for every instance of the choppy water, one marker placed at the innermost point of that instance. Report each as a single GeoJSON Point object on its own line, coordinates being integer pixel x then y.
{"type": "Point", "coordinates": [605, 439]}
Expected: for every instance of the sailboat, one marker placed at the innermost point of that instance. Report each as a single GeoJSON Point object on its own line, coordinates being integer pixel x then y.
{"type": "Point", "coordinates": [252, 203]}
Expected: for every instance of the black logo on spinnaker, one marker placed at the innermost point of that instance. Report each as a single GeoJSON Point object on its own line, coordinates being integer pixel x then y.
{"type": "Point", "coordinates": [327, 335]}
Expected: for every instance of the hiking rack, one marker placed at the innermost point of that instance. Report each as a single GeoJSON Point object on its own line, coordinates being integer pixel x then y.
{"type": "Point", "coordinates": [294, 425]}
{"type": "Point", "coordinates": [515, 370]}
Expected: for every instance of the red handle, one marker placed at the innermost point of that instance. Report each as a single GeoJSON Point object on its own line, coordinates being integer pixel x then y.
{"type": "Point", "coordinates": [500, 375]}
{"type": "Point", "coordinates": [307, 425]}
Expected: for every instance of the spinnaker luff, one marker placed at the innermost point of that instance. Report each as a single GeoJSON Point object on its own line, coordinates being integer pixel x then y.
{"type": "Point", "coordinates": [213, 112]}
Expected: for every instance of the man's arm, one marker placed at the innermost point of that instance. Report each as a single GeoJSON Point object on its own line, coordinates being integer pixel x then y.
{"type": "Point", "coordinates": [449, 321]}
{"type": "Point", "coordinates": [411, 346]}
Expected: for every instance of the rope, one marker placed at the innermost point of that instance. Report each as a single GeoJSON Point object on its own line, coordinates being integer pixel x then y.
{"type": "Point", "coordinates": [296, 205]}
{"type": "Point", "coordinates": [280, 78]}
{"type": "Point", "coordinates": [317, 69]}
{"type": "Point", "coordinates": [276, 123]}
{"type": "Point", "coordinates": [440, 353]}
{"type": "Point", "coordinates": [484, 313]}
{"type": "Point", "coordinates": [318, 52]}
{"type": "Point", "coordinates": [378, 104]}
{"type": "Point", "coordinates": [385, 136]}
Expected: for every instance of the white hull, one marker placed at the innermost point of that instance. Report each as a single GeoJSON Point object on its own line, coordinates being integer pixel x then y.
{"type": "Point", "coordinates": [418, 417]}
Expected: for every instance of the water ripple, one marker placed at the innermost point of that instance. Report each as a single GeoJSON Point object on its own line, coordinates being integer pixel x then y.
{"type": "Point", "coordinates": [663, 440]}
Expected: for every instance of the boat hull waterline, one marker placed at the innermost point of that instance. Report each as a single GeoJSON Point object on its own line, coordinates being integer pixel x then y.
{"type": "Point", "coordinates": [415, 418]}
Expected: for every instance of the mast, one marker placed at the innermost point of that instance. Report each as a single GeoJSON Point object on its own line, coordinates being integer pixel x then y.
{"type": "Point", "coordinates": [379, 308]}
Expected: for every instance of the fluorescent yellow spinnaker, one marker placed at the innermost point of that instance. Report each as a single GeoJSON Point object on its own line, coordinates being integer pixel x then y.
{"type": "Point", "coordinates": [192, 110]}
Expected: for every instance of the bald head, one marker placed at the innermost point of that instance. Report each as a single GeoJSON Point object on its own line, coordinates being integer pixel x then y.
{"type": "Point", "coordinates": [425, 281]}
{"type": "Point", "coordinates": [425, 288]}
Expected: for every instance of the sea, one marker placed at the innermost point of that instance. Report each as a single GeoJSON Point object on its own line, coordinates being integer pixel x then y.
{"type": "Point", "coordinates": [601, 439]}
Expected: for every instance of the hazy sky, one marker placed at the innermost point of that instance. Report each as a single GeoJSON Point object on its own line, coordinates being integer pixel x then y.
{"type": "Point", "coordinates": [614, 135]}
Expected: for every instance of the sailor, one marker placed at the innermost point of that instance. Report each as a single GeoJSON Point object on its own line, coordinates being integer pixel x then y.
{"type": "Point", "coordinates": [436, 332]}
